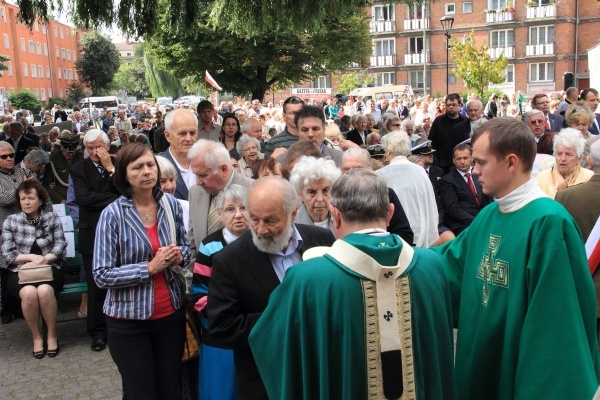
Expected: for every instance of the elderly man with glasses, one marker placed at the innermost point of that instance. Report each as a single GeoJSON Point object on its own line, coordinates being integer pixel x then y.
{"type": "Point", "coordinates": [536, 122]}
{"type": "Point", "coordinates": [553, 122]}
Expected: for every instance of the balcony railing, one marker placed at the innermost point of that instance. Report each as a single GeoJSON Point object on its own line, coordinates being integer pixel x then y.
{"type": "Point", "coordinates": [383, 61]}
{"type": "Point", "coordinates": [493, 16]}
{"type": "Point", "coordinates": [548, 11]}
{"type": "Point", "coordinates": [544, 49]}
{"type": "Point", "coordinates": [382, 26]}
{"type": "Point", "coordinates": [415, 58]}
{"type": "Point", "coordinates": [509, 52]}
{"type": "Point", "coordinates": [416, 24]}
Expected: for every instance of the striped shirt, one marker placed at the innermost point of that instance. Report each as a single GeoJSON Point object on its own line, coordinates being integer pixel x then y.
{"type": "Point", "coordinates": [284, 139]}
{"type": "Point", "coordinates": [121, 253]}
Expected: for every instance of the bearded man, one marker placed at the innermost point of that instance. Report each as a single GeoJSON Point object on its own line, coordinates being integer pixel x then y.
{"type": "Point", "coordinates": [247, 271]}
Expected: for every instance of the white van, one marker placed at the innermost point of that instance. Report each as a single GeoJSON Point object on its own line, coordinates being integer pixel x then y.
{"type": "Point", "coordinates": [387, 91]}
{"type": "Point", "coordinates": [110, 102]}
{"type": "Point", "coordinates": [164, 101]}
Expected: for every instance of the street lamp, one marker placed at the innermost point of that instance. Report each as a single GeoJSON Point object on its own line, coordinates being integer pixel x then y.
{"type": "Point", "coordinates": [447, 22]}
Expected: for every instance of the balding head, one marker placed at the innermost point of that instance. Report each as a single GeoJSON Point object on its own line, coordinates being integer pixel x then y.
{"type": "Point", "coordinates": [253, 128]}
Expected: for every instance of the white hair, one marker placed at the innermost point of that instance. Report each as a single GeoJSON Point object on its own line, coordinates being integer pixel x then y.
{"type": "Point", "coordinates": [166, 167]}
{"type": "Point", "coordinates": [94, 134]}
{"type": "Point", "coordinates": [310, 169]}
{"type": "Point", "coordinates": [397, 143]}
{"type": "Point", "coordinates": [6, 146]}
{"type": "Point", "coordinates": [595, 154]}
{"type": "Point", "coordinates": [215, 154]}
{"type": "Point", "coordinates": [291, 200]}
{"type": "Point", "coordinates": [244, 140]}
{"type": "Point", "coordinates": [358, 152]}
{"type": "Point", "coordinates": [569, 138]}
{"type": "Point", "coordinates": [170, 117]}
{"type": "Point", "coordinates": [232, 193]}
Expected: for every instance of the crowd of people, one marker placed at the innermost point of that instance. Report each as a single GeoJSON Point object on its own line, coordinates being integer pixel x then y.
{"type": "Point", "coordinates": [402, 218]}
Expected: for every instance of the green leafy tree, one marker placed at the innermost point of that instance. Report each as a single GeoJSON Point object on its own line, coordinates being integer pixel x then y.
{"type": "Point", "coordinates": [99, 62]}
{"type": "Point", "coordinates": [132, 77]}
{"type": "Point", "coordinates": [57, 100]}
{"type": "Point", "coordinates": [75, 92]}
{"type": "Point", "coordinates": [161, 82]}
{"type": "Point", "coordinates": [3, 60]}
{"type": "Point", "coordinates": [350, 81]}
{"type": "Point", "coordinates": [254, 64]}
{"type": "Point", "coordinates": [475, 66]}
{"type": "Point", "coordinates": [24, 99]}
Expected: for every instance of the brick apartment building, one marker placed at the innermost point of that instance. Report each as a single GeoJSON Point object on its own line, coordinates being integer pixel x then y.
{"type": "Point", "coordinates": [543, 39]}
{"type": "Point", "coordinates": [41, 59]}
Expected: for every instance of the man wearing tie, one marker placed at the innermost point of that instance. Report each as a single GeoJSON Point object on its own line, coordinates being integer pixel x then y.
{"type": "Point", "coordinates": [554, 122]}
{"type": "Point", "coordinates": [590, 96]}
{"type": "Point", "coordinates": [460, 191]}
{"type": "Point", "coordinates": [94, 188]}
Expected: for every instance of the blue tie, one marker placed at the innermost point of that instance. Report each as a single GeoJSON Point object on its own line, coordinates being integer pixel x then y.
{"type": "Point", "coordinates": [594, 128]}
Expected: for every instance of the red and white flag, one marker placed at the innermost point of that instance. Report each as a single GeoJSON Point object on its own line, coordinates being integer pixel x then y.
{"type": "Point", "coordinates": [209, 79]}
{"type": "Point", "coordinates": [592, 247]}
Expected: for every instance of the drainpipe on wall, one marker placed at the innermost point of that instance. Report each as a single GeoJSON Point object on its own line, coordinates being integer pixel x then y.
{"type": "Point", "coordinates": [576, 82]}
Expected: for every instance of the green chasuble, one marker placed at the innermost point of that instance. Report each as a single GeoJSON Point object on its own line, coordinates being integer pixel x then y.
{"type": "Point", "coordinates": [322, 334]}
{"type": "Point", "coordinates": [524, 305]}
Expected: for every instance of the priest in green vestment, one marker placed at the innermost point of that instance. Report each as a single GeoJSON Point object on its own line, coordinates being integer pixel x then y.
{"type": "Point", "coordinates": [522, 295]}
{"type": "Point", "coordinates": [368, 318]}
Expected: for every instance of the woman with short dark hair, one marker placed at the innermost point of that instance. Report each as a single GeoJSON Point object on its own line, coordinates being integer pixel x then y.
{"type": "Point", "coordinates": [137, 260]}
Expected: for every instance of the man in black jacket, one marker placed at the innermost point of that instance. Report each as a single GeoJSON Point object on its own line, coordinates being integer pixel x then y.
{"type": "Point", "coordinates": [441, 131]}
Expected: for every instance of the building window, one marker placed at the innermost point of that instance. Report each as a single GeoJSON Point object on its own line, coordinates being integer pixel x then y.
{"type": "Point", "coordinates": [541, 72]}
{"type": "Point", "coordinates": [416, 12]}
{"type": "Point", "coordinates": [450, 8]}
{"type": "Point", "coordinates": [64, 73]}
{"type": "Point", "coordinates": [451, 78]}
{"type": "Point", "coordinates": [498, 4]}
{"type": "Point", "coordinates": [48, 72]}
{"type": "Point", "coordinates": [6, 41]}
{"type": "Point", "coordinates": [38, 48]}
{"type": "Point", "coordinates": [541, 2]}
{"type": "Point", "coordinates": [40, 71]}
{"type": "Point", "coordinates": [59, 74]}
{"type": "Point", "coordinates": [60, 93]}
{"type": "Point", "coordinates": [467, 7]}
{"type": "Point", "coordinates": [503, 38]}
{"type": "Point", "coordinates": [9, 68]}
{"type": "Point", "coordinates": [37, 93]}
{"type": "Point", "coordinates": [71, 74]}
{"type": "Point", "coordinates": [2, 14]}
{"type": "Point", "coordinates": [33, 71]}
{"type": "Point", "coordinates": [31, 46]}
{"type": "Point", "coordinates": [63, 54]}
{"type": "Point", "coordinates": [55, 31]}
{"type": "Point", "coordinates": [25, 70]}
{"type": "Point", "coordinates": [386, 47]}
{"type": "Point", "coordinates": [45, 49]}
{"type": "Point", "coordinates": [43, 31]}
{"type": "Point", "coordinates": [36, 26]}
{"type": "Point", "coordinates": [74, 56]}
{"type": "Point", "coordinates": [69, 55]}
{"type": "Point", "coordinates": [49, 92]}
{"type": "Point", "coordinates": [541, 34]}
{"type": "Point", "coordinates": [509, 74]}
{"type": "Point", "coordinates": [23, 45]}
{"type": "Point", "coordinates": [416, 79]}
{"type": "Point", "coordinates": [415, 45]}
{"type": "Point", "coordinates": [385, 78]}
{"type": "Point", "coordinates": [57, 52]}
{"type": "Point", "coordinates": [43, 91]}
{"type": "Point", "coordinates": [62, 36]}
{"type": "Point", "coordinates": [321, 82]}
{"type": "Point", "coordinates": [383, 12]}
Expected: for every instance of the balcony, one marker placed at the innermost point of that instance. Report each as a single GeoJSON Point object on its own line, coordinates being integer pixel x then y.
{"type": "Point", "coordinates": [509, 52]}
{"type": "Point", "coordinates": [383, 61]}
{"type": "Point", "coordinates": [382, 26]}
{"type": "Point", "coordinates": [548, 11]}
{"type": "Point", "coordinates": [495, 16]}
{"type": "Point", "coordinates": [416, 24]}
{"type": "Point", "coordinates": [535, 50]}
{"type": "Point", "coordinates": [415, 58]}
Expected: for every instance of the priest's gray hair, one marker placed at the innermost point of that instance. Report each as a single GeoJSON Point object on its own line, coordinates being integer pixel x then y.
{"type": "Point", "coordinates": [275, 185]}
{"type": "Point", "coordinates": [398, 144]}
{"type": "Point", "coordinates": [361, 195]}
{"type": "Point", "coordinates": [214, 153]}
{"type": "Point", "coordinates": [311, 169]}
{"type": "Point", "coordinates": [232, 194]}
{"type": "Point", "coordinates": [358, 152]}
{"type": "Point", "coordinates": [570, 138]}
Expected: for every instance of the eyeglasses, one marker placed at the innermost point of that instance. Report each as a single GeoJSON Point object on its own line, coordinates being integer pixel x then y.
{"type": "Point", "coordinates": [396, 125]}
{"type": "Point", "coordinates": [293, 100]}
{"type": "Point", "coordinates": [537, 122]}
{"type": "Point", "coordinates": [5, 156]}
{"type": "Point", "coordinates": [231, 211]}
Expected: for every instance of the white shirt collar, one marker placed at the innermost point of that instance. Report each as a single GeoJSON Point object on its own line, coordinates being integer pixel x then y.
{"type": "Point", "coordinates": [520, 197]}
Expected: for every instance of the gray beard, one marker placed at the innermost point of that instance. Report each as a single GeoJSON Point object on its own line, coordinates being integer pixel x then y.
{"type": "Point", "coordinates": [273, 244]}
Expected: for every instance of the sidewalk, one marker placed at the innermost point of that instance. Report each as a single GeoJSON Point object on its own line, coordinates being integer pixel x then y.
{"type": "Point", "coordinates": [76, 373]}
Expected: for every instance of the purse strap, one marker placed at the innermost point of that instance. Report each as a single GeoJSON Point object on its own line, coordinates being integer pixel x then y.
{"type": "Point", "coordinates": [170, 219]}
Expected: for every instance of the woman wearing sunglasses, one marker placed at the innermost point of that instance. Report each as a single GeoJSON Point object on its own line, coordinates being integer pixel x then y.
{"type": "Point", "coordinates": [10, 178]}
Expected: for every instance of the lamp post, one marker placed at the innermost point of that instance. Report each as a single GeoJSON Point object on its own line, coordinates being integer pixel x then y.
{"type": "Point", "coordinates": [447, 22]}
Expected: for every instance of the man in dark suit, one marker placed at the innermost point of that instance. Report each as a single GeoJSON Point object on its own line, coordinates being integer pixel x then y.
{"type": "Point", "coordinates": [435, 174]}
{"type": "Point", "coordinates": [359, 134]}
{"type": "Point", "coordinates": [181, 131]}
{"type": "Point", "coordinates": [463, 130]}
{"type": "Point", "coordinates": [246, 272]}
{"type": "Point", "coordinates": [18, 141]}
{"type": "Point", "coordinates": [543, 139]}
{"type": "Point", "coordinates": [590, 96]}
{"type": "Point", "coordinates": [581, 201]}
{"type": "Point", "coordinates": [441, 131]}
{"type": "Point", "coordinates": [460, 192]}
{"type": "Point", "coordinates": [94, 188]}
{"type": "Point", "coordinates": [554, 122]}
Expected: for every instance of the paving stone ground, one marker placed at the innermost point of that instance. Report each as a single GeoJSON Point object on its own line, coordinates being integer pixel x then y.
{"type": "Point", "coordinates": [76, 373]}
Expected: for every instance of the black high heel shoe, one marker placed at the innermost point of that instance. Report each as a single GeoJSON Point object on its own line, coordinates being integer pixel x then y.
{"type": "Point", "coordinates": [54, 352]}
{"type": "Point", "coordinates": [39, 354]}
